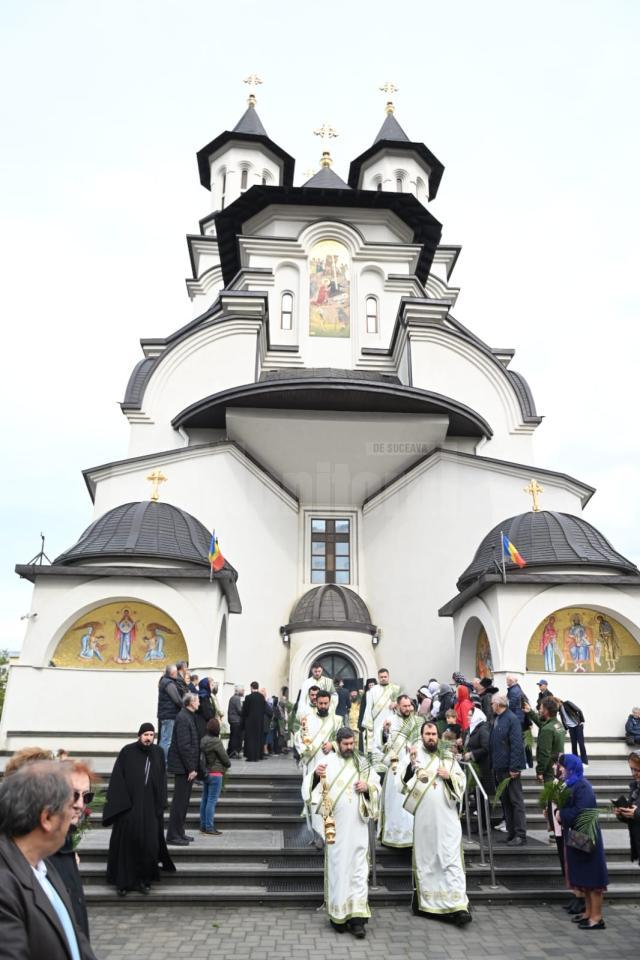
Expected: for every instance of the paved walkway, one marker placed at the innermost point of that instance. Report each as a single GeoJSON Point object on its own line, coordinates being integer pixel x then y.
{"type": "Point", "coordinates": [261, 933]}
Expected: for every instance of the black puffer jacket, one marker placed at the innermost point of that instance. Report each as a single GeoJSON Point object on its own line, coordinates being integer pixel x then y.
{"type": "Point", "coordinates": [169, 702]}
{"type": "Point", "coordinates": [184, 752]}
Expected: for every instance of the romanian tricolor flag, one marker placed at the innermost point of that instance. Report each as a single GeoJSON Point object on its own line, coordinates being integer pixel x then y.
{"type": "Point", "coordinates": [508, 550]}
{"type": "Point", "coordinates": [215, 556]}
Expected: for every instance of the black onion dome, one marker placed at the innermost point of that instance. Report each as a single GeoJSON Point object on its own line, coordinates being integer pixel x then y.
{"type": "Point", "coordinates": [330, 606]}
{"type": "Point", "coordinates": [149, 530]}
{"type": "Point", "coordinates": [546, 539]}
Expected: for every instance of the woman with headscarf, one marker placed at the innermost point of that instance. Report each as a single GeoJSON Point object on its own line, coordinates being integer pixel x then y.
{"type": "Point", "coordinates": [205, 711]}
{"type": "Point", "coordinates": [586, 871]}
{"type": "Point", "coordinates": [462, 707]}
{"type": "Point", "coordinates": [476, 750]}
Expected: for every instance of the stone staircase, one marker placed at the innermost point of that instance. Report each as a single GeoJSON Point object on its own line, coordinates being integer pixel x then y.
{"type": "Point", "coordinates": [263, 855]}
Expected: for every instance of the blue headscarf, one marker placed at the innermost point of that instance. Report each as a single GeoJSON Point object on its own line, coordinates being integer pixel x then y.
{"type": "Point", "coordinates": [204, 688]}
{"type": "Point", "coordinates": [573, 766]}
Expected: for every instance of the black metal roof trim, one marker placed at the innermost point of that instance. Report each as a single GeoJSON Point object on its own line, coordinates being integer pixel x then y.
{"type": "Point", "coordinates": [399, 146]}
{"type": "Point", "coordinates": [525, 397]}
{"type": "Point", "coordinates": [186, 451]}
{"type": "Point", "coordinates": [326, 178]}
{"type": "Point", "coordinates": [135, 390]}
{"type": "Point", "coordinates": [546, 539]}
{"type": "Point", "coordinates": [142, 528]}
{"type": "Point", "coordinates": [330, 606]}
{"type": "Point", "coordinates": [204, 169]}
{"type": "Point", "coordinates": [224, 577]}
{"type": "Point", "coordinates": [475, 458]}
{"type": "Point", "coordinates": [326, 393]}
{"type": "Point", "coordinates": [329, 373]}
{"type": "Point", "coordinates": [427, 231]}
{"type": "Point", "coordinates": [521, 578]}
{"type": "Point", "coordinates": [137, 382]}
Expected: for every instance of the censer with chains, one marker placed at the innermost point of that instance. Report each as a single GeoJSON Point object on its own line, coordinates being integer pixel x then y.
{"type": "Point", "coordinates": [306, 739]}
{"type": "Point", "coordinates": [326, 809]}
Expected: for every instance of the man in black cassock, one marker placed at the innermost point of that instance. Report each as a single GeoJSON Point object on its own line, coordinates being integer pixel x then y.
{"type": "Point", "coordinates": [136, 799]}
{"type": "Point", "coordinates": [253, 710]}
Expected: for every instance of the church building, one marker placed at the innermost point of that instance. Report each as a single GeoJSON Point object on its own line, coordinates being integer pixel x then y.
{"type": "Point", "coordinates": [361, 455]}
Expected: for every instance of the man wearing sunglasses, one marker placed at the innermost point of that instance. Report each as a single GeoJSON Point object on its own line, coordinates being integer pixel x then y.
{"type": "Point", "coordinates": [66, 860]}
{"type": "Point", "coordinates": [136, 799]}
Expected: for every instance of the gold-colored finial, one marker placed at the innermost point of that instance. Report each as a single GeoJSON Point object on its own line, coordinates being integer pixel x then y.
{"type": "Point", "coordinates": [533, 490]}
{"type": "Point", "coordinates": [253, 80]}
{"type": "Point", "coordinates": [156, 478]}
{"type": "Point", "coordinates": [389, 88]}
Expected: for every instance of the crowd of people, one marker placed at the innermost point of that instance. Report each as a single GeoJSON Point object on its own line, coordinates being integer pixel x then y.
{"type": "Point", "coordinates": [371, 760]}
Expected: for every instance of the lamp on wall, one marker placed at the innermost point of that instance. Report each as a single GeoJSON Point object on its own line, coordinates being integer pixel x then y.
{"type": "Point", "coordinates": [284, 636]}
{"type": "Point", "coordinates": [377, 636]}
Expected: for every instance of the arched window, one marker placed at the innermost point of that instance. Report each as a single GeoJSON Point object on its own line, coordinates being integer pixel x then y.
{"type": "Point", "coordinates": [379, 186]}
{"type": "Point", "coordinates": [264, 180]}
{"type": "Point", "coordinates": [399, 184]}
{"type": "Point", "coordinates": [223, 188]}
{"type": "Point", "coordinates": [244, 178]}
{"type": "Point", "coordinates": [372, 314]}
{"type": "Point", "coordinates": [286, 311]}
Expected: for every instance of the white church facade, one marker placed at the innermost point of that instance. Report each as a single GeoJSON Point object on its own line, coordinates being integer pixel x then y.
{"type": "Point", "coordinates": [359, 453]}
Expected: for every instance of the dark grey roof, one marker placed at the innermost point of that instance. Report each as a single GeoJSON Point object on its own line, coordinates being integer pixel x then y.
{"type": "Point", "coordinates": [137, 383]}
{"type": "Point", "coordinates": [391, 130]}
{"type": "Point", "coordinates": [250, 122]}
{"type": "Point", "coordinates": [546, 539]}
{"type": "Point", "coordinates": [157, 531]}
{"type": "Point", "coordinates": [330, 607]}
{"type": "Point", "coordinates": [327, 178]}
{"type": "Point", "coordinates": [327, 373]}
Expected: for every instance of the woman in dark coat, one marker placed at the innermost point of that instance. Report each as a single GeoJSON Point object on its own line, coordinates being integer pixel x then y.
{"type": "Point", "coordinates": [630, 813]}
{"type": "Point", "coordinates": [476, 750]}
{"type": "Point", "coordinates": [586, 872]}
{"type": "Point", "coordinates": [205, 711]}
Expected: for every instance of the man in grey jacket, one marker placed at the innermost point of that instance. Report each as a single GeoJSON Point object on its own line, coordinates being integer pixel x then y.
{"type": "Point", "coordinates": [234, 716]}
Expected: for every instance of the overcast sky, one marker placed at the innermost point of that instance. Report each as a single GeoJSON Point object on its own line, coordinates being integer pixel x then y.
{"type": "Point", "coordinates": [532, 108]}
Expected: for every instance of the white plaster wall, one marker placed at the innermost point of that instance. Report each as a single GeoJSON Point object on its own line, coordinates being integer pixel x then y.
{"type": "Point", "coordinates": [257, 527]}
{"type": "Point", "coordinates": [445, 364]}
{"type": "Point", "coordinates": [102, 700]}
{"type": "Point", "coordinates": [213, 358]}
{"type": "Point", "coordinates": [233, 159]}
{"type": "Point", "coordinates": [387, 167]}
{"type": "Point", "coordinates": [511, 614]}
{"type": "Point", "coordinates": [418, 538]}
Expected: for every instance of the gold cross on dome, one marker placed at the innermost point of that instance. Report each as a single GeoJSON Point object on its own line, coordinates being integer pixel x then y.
{"type": "Point", "coordinates": [253, 80]}
{"type": "Point", "coordinates": [326, 133]}
{"type": "Point", "coordinates": [156, 478]}
{"type": "Point", "coordinates": [533, 490]}
{"type": "Point", "coordinates": [389, 88]}
{"type": "Point", "coordinates": [307, 174]}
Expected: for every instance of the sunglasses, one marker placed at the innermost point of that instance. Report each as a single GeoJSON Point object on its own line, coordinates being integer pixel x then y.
{"type": "Point", "coordinates": [86, 797]}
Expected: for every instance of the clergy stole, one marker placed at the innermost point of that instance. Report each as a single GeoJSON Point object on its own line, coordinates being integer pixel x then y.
{"type": "Point", "coordinates": [395, 827]}
{"type": "Point", "coordinates": [304, 704]}
{"type": "Point", "coordinates": [346, 862]}
{"type": "Point", "coordinates": [377, 710]}
{"type": "Point", "coordinates": [319, 730]}
{"type": "Point", "coordinates": [438, 870]}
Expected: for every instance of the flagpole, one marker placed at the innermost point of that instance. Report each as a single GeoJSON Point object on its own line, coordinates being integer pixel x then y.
{"type": "Point", "coordinates": [213, 541]}
{"type": "Point", "coordinates": [504, 572]}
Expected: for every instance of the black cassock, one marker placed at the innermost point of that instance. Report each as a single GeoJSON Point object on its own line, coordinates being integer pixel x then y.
{"type": "Point", "coordinates": [135, 804]}
{"type": "Point", "coordinates": [253, 710]}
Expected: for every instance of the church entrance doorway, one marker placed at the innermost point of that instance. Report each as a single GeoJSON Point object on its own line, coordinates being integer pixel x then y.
{"type": "Point", "coordinates": [339, 667]}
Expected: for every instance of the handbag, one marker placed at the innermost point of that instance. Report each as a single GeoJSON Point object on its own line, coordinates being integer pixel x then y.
{"type": "Point", "coordinates": [579, 841]}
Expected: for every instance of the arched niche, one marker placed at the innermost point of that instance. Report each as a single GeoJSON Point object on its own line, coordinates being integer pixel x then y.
{"type": "Point", "coordinates": [329, 290]}
{"type": "Point", "coordinates": [470, 646]}
{"type": "Point", "coordinates": [222, 645]}
{"type": "Point", "coordinates": [582, 640]}
{"type": "Point", "coordinates": [121, 635]}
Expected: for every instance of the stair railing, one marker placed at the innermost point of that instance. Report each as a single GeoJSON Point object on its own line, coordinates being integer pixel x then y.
{"type": "Point", "coordinates": [482, 801]}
